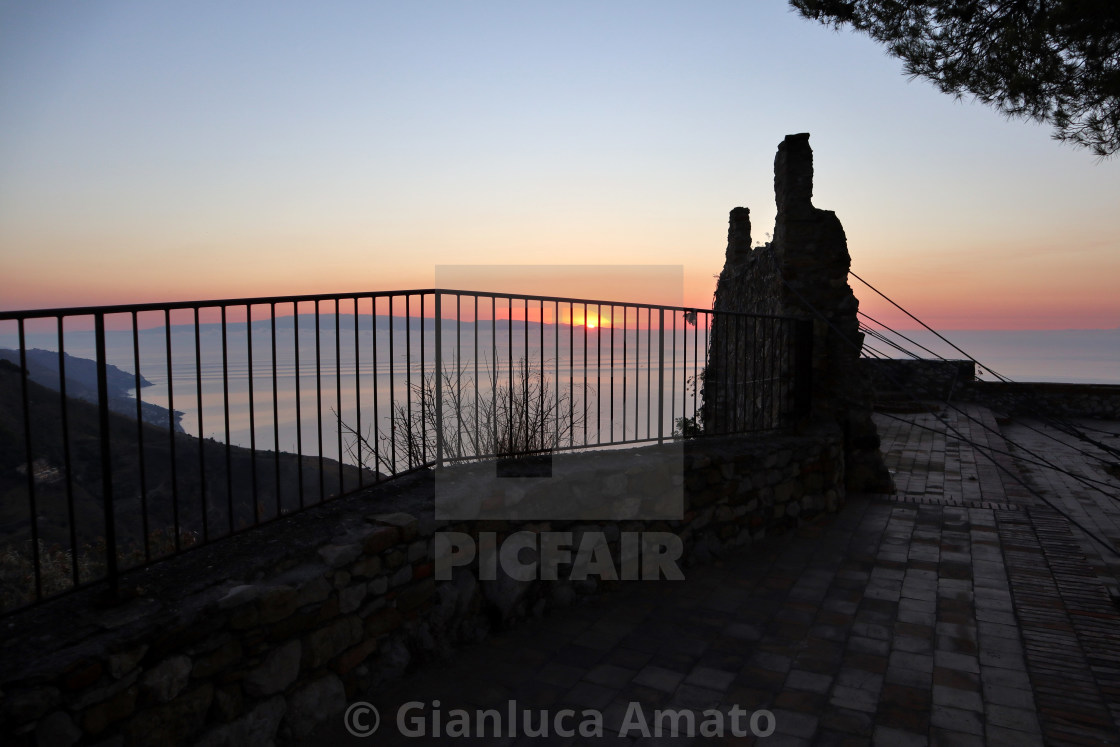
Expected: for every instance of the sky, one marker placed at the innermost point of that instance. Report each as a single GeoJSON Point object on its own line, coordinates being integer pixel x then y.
{"type": "Point", "coordinates": [168, 151]}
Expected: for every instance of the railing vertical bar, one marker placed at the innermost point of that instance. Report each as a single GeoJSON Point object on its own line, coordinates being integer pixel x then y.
{"type": "Point", "coordinates": [709, 326]}
{"type": "Point", "coordinates": [358, 396]}
{"type": "Point", "coordinates": [625, 339]}
{"type": "Point", "coordinates": [768, 384]}
{"type": "Point", "coordinates": [638, 371]}
{"type": "Point", "coordinates": [730, 336]}
{"type": "Point", "coordinates": [598, 371]}
{"type": "Point", "coordinates": [275, 408]}
{"type": "Point", "coordinates": [527, 440]}
{"type": "Point", "coordinates": [408, 377]}
{"type": "Point", "coordinates": [376, 431]}
{"type": "Point", "coordinates": [494, 377]}
{"type": "Point", "coordinates": [774, 378]}
{"type": "Point", "coordinates": [423, 391]}
{"type": "Point", "coordinates": [556, 334]}
{"type": "Point", "coordinates": [770, 349]}
{"type": "Point", "coordinates": [684, 359]}
{"type": "Point", "coordinates": [438, 312]}
{"type": "Point", "coordinates": [695, 361]}
{"type": "Point", "coordinates": [459, 374]}
{"type": "Point", "coordinates": [319, 398]}
{"type": "Point", "coordinates": [252, 415]}
{"type": "Point", "coordinates": [225, 407]}
{"type": "Point", "coordinates": [673, 378]}
{"type": "Point", "coordinates": [726, 385]}
{"type": "Point", "coordinates": [787, 374]}
{"type": "Point", "coordinates": [201, 432]}
{"type": "Point", "coordinates": [763, 378]}
{"type": "Point", "coordinates": [66, 460]}
{"type": "Point", "coordinates": [649, 366]}
{"type": "Point", "coordinates": [512, 385]}
{"type": "Point", "coordinates": [541, 392]}
{"type": "Point", "coordinates": [477, 441]}
{"type": "Point", "coordinates": [755, 365]}
{"type": "Point", "coordinates": [784, 375]}
{"type": "Point", "coordinates": [610, 421]}
{"type": "Point", "coordinates": [299, 414]}
{"type": "Point", "coordinates": [32, 503]}
{"type": "Point", "coordinates": [171, 424]}
{"type": "Point", "coordinates": [661, 376]}
{"type": "Point", "coordinates": [392, 395]}
{"type": "Point", "coordinates": [139, 440]}
{"type": "Point", "coordinates": [760, 375]}
{"type": "Point", "coordinates": [736, 366]}
{"type": "Point", "coordinates": [338, 389]}
{"type": "Point", "coordinates": [412, 455]}
{"type": "Point", "coordinates": [572, 373]}
{"type": "Point", "coordinates": [111, 570]}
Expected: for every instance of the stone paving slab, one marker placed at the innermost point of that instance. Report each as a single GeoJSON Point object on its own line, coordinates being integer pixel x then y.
{"type": "Point", "coordinates": [956, 612]}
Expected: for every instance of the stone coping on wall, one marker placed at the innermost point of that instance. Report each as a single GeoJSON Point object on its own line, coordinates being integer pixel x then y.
{"type": "Point", "coordinates": [270, 631]}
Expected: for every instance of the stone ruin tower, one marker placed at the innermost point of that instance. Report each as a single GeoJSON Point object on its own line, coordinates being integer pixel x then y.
{"type": "Point", "coordinates": [803, 273]}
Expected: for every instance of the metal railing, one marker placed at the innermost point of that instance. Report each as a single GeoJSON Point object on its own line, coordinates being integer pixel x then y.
{"type": "Point", "coordinates": [135, 432]}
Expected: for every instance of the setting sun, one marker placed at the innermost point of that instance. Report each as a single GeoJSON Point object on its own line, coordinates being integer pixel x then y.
{"type": "Point", "coordinates": [592, 323]}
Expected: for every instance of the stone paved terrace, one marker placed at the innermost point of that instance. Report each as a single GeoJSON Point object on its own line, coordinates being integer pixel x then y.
{"type": "Point", "coordinates": [961, 610]}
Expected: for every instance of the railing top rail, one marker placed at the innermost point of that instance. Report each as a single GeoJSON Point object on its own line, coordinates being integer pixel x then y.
{"type": "Point", "coordinates": [308, 298]}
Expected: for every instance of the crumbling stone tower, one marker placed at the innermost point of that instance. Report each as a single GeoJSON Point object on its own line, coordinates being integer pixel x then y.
{"type": "Point", "coordinates": [802, 272]}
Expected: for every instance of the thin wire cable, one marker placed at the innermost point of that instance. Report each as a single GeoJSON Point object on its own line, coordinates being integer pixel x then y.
{"type": "Point", "coordinates": [1046, 465]}
{"type": "Point", "coordinates": [904, 337]}
{"type": "Point", "coordinates": [1066, 429]}
{"type": "Point", "coordinates": [1062, 424]}
{"type": "Point", "coordinates": [879, 336]}
{"type": "Point", "coordinates": [960, 435]}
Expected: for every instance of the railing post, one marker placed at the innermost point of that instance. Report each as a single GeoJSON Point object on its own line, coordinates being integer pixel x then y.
{"type": "Point", "coordinates": [661, 376]}
{"type": "Point", "coordinates": [803, 367]}
{"type": "Point", "coordinates": [439, 379]}
{"type": "Point", "coordinates": [106, 459]}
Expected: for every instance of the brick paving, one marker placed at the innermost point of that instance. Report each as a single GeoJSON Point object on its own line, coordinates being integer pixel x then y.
{"type": "Point", "coordinates": [961, 610]}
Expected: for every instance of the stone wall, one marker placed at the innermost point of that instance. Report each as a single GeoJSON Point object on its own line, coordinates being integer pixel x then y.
{"type": "Point", "coordinates": [1094, 401]}
{"type": "Point", "coordinates": [803, 273]}
{"type": "Point", "coordinates": [262, 636]}
{"type": "Point", "coordinates": [900, 381]}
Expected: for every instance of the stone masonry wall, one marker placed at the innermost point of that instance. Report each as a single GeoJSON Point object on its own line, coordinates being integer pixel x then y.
{"type": "Point", "coordinates": [1095, 401]}
{"type": "Point", "coordinates": [907, 378]}
{"type": "Point", "coordinates": [902, 380]}
{"type": "Point", "coordinates": [262, 636]}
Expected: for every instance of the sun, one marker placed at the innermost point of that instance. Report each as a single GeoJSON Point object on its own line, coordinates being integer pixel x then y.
{"type": "Point", "coordinates": [592, 323]}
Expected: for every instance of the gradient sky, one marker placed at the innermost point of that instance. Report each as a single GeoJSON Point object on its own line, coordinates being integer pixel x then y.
{"type": "Point", "coordinates": [164, 151]}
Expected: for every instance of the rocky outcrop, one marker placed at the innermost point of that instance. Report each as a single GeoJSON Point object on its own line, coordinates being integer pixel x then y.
{"type": "Point", "coordinates": [803, 273]}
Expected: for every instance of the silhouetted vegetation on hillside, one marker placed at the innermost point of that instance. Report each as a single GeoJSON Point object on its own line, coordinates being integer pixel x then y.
{"type": "Point", "coordinates": [173, 488]}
